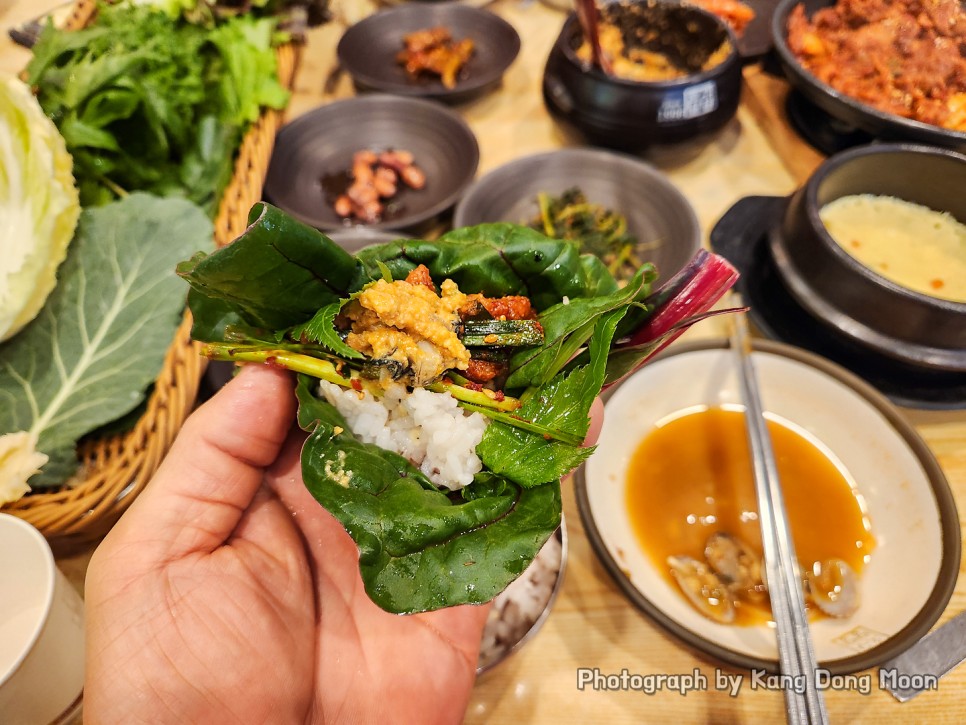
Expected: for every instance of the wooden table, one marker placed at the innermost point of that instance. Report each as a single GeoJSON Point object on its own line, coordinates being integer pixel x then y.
{"type": "Point", "coordinates": [592, 624]}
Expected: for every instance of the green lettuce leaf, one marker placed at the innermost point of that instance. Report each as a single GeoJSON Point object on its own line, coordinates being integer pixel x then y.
{"type": "Point", "coordinates": [420, 548]}
{"type": "Point", "coordinates": [498, 260]}
{"type": "Point", "coordinates": [564, 403]}
{"type": "Point", "coordinates": [277, 274]}
{"type": "Point", "coordinates": [102, 336]}
{"type": "Point", "coordinates": [149, 102]}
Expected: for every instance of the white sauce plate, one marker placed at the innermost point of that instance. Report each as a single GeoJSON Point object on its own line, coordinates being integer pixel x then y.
{"type": "Point", "coordinates": [912, 571]}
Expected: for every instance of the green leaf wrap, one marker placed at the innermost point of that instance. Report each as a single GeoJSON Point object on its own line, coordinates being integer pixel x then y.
{"type": "Point", "coordinates": [498, 260]}
{"type": "Point", "coordinates": [420, 548]}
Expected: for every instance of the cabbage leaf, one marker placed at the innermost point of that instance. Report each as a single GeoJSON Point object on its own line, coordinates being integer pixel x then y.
{"type": "Point", "coordinates": [38, 206]}
{"type": "Point", "coordinates": [101, 339]}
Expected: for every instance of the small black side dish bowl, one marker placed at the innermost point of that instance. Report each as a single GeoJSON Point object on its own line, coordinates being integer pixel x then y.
{"type": "Point", "coordinates": [633, 115]}
{"type": "Point", "coordinates": [368, 50]}
{"type": "Point", "coordinates": [313, 157]}
{"type": "Point", "coordinates": [852, 297]}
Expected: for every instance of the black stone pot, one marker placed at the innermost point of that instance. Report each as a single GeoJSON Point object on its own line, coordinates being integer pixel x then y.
{"type": "Point", "coordinates": [846, 294]}
{"type": "Point", "coordinates": [634, 115]}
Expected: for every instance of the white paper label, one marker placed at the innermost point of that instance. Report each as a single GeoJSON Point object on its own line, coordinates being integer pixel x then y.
{"type": "Point", "coordinates": [699, 100]}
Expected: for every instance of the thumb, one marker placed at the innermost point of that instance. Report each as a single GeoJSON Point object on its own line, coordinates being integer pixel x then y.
{"type": "Point", "coordinates": [213, 470]}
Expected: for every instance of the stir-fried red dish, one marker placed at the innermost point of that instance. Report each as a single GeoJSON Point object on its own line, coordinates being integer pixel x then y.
{"type": "Point", "coordinates": [733, 12]}
{"type": "Point", "coordinates": [906, 57]}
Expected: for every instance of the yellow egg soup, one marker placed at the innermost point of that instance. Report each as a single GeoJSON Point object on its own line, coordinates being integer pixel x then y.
{"type": "Point", "coordinates": [909, 244]}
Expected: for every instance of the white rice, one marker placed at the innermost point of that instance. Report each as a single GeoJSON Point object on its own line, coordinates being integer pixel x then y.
{"type": "Point", "coordinates": [428, 428]}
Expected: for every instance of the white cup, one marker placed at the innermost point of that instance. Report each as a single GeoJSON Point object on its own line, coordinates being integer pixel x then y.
{"type": "Point", "coordinates": [41, 631]}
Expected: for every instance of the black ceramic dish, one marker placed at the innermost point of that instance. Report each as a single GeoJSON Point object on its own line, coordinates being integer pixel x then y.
{"type": "Point", "coordinates": [369, 48]}
{"type": "Point", "coordinates": [822, 130]}
{"type": "Point", "coordinates": [741, 236]}
{"type": "Point", "coordinates": [881, 125]}
{"type": "Point", "coordinates": [657, 213]}
{"type": "Point", "coordinates": [825, 279]}
{"type": "Point", "coordinates": [313, 155]}
{"type": "Point", "coordinates": [756, 40]}
{"type": "Point", "coordinates": [635, 115]}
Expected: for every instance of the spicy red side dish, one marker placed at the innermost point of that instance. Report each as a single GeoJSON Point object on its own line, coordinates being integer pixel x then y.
{"type": "Point", "coordinates": [434, 51]}
{"type": "Point", "coordinates": [906, 57]}
{"type": "Point", "coordinates": [733, 12]}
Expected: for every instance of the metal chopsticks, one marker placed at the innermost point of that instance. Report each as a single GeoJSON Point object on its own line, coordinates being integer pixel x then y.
{"type": "Point", "coordinates": [803, 700]}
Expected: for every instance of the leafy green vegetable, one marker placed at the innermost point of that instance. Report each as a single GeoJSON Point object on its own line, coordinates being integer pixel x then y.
{"type": "Point", "coordinates": [321, 329]}
{"type": "Point", "coordinates": [277, 290]}
{"type": "Point", "coordinates": [102, 336]}
{"type": "Point", "coordinates": [148, 102]}
{"type": "Point", "coordinates": [292, 15]}
{"type": "Point", "coordinates": [598, 230]}
{"type": "Point", "coordinates": [420, 549]}
{"type": "Point", "coordinates": [497, 260]}
{"type": "Point", "coordinates": [278, 274]}
{"type": "Point", "coordinates": [38, 205]}
{"type": "Point", "coordinates": [564, 403]}
{"type": "Point", "coordinates": [568, 326]}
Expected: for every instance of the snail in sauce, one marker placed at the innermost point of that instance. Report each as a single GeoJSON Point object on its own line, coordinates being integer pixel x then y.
{"type": "Point", "coordinates": [691, 498]}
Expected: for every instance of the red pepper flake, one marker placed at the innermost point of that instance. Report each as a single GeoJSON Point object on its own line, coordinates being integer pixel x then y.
{"type": "Point", "coordinates": [937, 284]}
{"type": "Point", "coordinates": [356, 385]}
{"type": "Point", "coordinates": [271, 360]}
{"type": "Point", "coordinates": [498, 396]}
{"type": "Point", "coordinates": [474, 386]}
{"type": "Point", "coordinates": [546, 436]}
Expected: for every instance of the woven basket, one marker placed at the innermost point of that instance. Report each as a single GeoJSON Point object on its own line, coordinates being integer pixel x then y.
{"type": "Point", "coordinates": [115, 469]}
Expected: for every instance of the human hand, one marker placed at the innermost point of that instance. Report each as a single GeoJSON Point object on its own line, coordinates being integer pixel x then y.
{"type": "Point", "coordinates": [227, 594]}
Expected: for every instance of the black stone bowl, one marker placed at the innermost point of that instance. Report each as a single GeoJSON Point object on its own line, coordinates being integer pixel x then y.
{"type": "Point", "coordinates": [845, 294]}
{"type": "Point", "coordinates": [850, 111]}
{"type": "Point", "coordinates": [368, 50]}
{"type": "Point", "coordinates": [634, 115]}
{"type": "Point", "coordinates": [313, 155]}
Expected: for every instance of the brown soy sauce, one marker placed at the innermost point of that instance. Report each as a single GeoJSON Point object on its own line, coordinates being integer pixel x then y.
{"type": "Point", "coordinates": [691, 477]}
